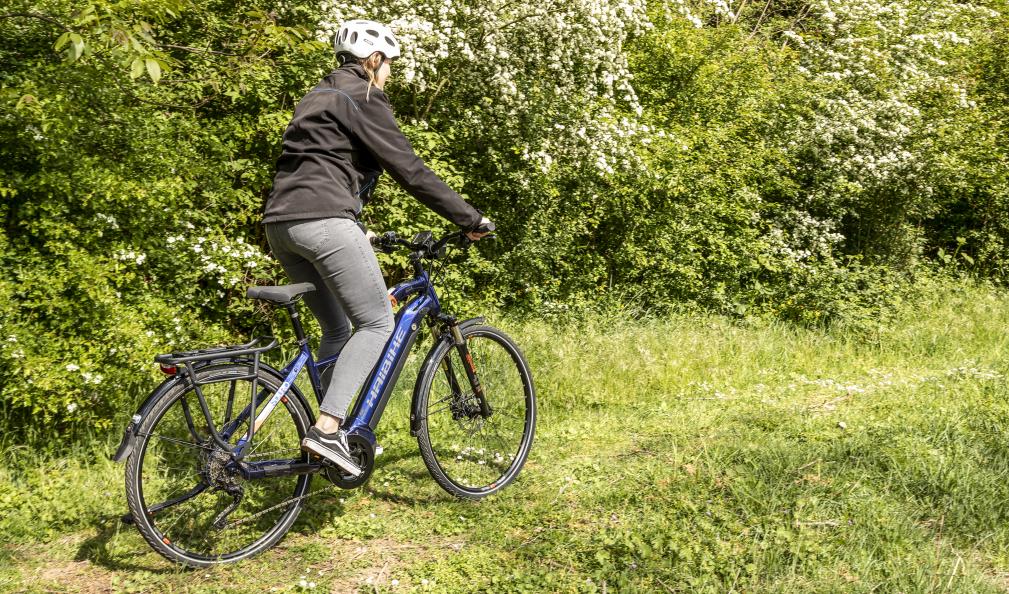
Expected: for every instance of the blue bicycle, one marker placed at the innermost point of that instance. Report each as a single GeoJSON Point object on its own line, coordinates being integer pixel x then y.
{"type": "Point", "coordinates": [214, 471]}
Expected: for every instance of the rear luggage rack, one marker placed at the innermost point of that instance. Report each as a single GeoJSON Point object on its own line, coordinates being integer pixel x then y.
{"type": "Point", "coordinates": [255, 347]}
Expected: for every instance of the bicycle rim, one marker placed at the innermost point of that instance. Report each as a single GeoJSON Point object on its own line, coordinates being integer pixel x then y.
{"type": "Point", "coordinates": [178, 460]}
{"type": "Point", "coordinates": [470, 455]}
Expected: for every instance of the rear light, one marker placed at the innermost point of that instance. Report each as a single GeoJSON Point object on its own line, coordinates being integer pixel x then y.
{"type": "Point", "coordinates": [169, 369]}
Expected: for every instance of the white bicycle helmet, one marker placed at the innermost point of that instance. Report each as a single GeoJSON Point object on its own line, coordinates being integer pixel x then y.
{"type": "Point", "coordinates": [361, 38]}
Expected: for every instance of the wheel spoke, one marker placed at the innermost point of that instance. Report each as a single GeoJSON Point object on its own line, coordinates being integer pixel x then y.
{"type": "Point", "coordinates": [178, 441]}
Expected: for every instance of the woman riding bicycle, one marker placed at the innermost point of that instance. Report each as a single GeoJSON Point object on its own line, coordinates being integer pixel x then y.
{"type": "Point", "coordinates": [342, 136]}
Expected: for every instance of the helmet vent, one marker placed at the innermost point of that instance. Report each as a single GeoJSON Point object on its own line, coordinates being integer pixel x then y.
{"type": "Point", "coordinates": [353, 37]}
{"type": "Point", "coordinates": [390, 41]}
{"type": "Point", "coordinates": [371, 32]}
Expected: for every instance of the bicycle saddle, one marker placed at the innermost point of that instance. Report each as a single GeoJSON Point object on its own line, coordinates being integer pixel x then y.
{"type": "Point", "coordinates": [280, 294]}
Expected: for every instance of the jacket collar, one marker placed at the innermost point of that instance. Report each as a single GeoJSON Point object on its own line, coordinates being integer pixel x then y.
{"type": "Point", "coordinates": [355, 68]}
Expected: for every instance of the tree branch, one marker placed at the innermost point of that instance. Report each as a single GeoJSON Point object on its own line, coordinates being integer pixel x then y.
{"type": "Point", "coordinates": [197, 50]}
{"type": "Point", "coordinates": [35, 15]}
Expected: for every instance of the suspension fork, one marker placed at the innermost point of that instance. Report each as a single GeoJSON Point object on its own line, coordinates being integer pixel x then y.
{"type": "Point", "coordinates": [468, 366]}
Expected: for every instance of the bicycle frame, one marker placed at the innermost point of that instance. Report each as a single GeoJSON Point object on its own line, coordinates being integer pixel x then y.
{"type": "Point", "coordinates": [371, 401]}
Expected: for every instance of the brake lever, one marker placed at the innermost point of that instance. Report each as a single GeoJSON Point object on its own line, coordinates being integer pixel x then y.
{"type": "Point", "coordinates": [465, 241]}
{"type": "Point", "coordinates": [384, 242]}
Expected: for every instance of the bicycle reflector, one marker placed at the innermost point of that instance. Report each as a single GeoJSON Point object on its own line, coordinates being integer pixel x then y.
{"type": "Point", "coordinates": [169, 369]}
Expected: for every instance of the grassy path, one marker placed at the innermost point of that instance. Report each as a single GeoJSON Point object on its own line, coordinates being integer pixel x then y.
{"type": "Point", "coordinates": [680, 455]}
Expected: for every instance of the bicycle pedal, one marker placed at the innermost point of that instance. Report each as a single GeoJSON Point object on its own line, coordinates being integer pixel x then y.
{"type": "Point", "coordinates": [326, 462]}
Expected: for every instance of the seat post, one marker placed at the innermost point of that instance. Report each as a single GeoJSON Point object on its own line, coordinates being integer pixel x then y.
{"type": "Point", "coordinates": [299, 331]}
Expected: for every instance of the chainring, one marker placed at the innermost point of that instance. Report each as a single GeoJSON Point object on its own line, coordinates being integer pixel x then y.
{"type": "Point", "coordinates": [364, 454]}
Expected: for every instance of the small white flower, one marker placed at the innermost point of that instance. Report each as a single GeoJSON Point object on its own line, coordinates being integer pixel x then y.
{"type": "Point", "coordinates": [394, 583]}
{"type": "Point", "coordinates": [72, 407]}
{"type": "Point", "coordinates": [72, 367]}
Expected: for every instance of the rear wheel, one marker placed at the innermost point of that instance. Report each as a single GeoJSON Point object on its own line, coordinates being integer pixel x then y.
{"type": "Point", "coordinates": [187, 499]}
{"type": "Point", "coordinates": [470, 450]}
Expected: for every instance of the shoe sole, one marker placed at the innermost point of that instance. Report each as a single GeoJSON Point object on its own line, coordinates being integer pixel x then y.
{"type": "Point", "coordinates": [321, 450]}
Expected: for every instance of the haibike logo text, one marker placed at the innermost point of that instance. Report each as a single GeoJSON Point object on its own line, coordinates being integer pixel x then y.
{"type": "Point", "coordinates": [383, 370]}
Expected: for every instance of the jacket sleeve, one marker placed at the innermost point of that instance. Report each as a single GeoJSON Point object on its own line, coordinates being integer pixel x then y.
{"type": "Point", "coordinates": [377, 129]}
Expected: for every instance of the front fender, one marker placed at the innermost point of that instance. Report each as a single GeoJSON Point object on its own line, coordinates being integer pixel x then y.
{"type": "Point", "coordinates": [415, 413]}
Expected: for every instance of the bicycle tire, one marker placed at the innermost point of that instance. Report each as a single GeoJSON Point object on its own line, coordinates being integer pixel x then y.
{"type": "Point", "coordinates": [468, 455]}
{"type": "Point", "coordinates": [171, 460]}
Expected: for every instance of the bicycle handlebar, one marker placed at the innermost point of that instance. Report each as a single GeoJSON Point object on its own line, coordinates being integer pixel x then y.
{"type": "Point", "coordinates": [426, 247]}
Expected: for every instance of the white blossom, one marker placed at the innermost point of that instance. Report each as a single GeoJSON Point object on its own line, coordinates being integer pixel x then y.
{"type": "Point", "coordinates": [500, 48]}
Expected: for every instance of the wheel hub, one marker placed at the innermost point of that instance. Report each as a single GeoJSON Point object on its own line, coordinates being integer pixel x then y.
{"type": "Point", "coordinates": [220, 473]}
{"type": "Point", "coordinates": [465, 408]}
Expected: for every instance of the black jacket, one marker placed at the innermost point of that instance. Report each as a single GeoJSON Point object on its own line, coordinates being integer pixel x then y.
{"type": "Point", "coordinates": [341, 138]}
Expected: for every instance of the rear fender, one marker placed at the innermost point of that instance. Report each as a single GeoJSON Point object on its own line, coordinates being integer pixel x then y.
{"type": "Point", "coordinates": [415, 412]}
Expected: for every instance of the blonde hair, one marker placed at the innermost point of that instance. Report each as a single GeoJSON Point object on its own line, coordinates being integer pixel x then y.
{"type": "Point", "coordinates": [371, 64]}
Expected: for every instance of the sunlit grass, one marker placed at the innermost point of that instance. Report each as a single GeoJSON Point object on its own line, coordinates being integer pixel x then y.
{"type": "Point", "coordinates": [682, 454]}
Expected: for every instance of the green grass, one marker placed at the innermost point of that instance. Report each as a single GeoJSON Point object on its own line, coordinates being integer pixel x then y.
{"type": "Point", "coordinates": [688, 454]}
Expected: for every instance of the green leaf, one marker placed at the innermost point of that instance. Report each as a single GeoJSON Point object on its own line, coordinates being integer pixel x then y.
{"type": "Point", "coordinates": [26, 100]}
{"type": "Point", "coordinates": [61, 41]}
{"type": "Point", "coordinates": [78, 46]}
{"type": "Point", "coordinates": [153, 69]}
{"type": "Point", "coordinates": [137, 68]}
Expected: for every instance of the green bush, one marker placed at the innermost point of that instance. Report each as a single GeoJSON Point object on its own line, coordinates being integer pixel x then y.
{"type": "Point", "coordinates": [807, 163]}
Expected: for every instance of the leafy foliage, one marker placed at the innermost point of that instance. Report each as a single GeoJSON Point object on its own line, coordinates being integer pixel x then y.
{"type": "Point", "coordinates": [804, 160]}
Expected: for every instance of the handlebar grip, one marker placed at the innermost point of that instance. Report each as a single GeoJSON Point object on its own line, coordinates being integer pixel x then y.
{"type": "Point", "coordinates": [485, 227]}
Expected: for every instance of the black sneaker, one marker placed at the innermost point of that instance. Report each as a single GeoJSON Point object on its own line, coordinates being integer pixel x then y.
{"type": "Point", "coordinates": [331, 446]}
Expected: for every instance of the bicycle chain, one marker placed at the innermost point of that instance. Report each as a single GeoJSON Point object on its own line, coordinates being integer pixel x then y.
{"type": "Point", "coordinates": [234, 523]}
{"type": "Point", "coordinates": [282, 503]}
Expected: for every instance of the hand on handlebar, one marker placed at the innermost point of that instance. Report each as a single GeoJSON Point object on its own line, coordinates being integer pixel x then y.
{"type": "Point", "coordinates": [484, 228]}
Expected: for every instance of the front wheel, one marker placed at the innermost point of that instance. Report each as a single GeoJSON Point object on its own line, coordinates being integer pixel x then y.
{"type": "Point", "coordinates": [475, 446]}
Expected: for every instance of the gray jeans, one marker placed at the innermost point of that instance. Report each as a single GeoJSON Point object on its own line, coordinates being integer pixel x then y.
{"type": "Point", "coordinates": [335, 256]}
